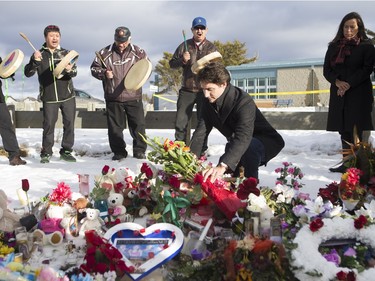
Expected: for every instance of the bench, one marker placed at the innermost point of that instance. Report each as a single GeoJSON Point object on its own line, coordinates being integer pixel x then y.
{"type": "Point", "coordinates": [282, 102]}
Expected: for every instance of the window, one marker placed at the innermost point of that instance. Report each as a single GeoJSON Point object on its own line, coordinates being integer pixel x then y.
{"type": "Point", "coordinates": [258, 85]}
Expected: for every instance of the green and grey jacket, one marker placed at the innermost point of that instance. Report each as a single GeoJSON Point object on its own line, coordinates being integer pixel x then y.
{"type": "Point", "coordinates": [52, 89]}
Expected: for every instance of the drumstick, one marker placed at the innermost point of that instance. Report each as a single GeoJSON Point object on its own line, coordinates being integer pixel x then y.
{"type": "Point", "coordinates": [183, 34]}
{"type": "Point", "coordinates": [28, 41]}
{"type": "Point", "coordinates": [101, 59]}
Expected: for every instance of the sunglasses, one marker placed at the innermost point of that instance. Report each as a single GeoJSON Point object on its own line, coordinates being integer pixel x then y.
{"type": "Point", "coordinates": [200, 27]}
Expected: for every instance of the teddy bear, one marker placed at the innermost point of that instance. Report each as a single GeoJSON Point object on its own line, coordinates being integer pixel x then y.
{"type": "Point", "coordinates": [8, 220]}
{"type": "Point", "coordinates": [135, 205]}
{"type": "Point", "coordinates": [92, 221]}
{"type": "Point", "coordinates": [116, 209]}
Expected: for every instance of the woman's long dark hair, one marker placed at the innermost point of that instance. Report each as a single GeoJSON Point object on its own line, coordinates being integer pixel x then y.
{"type": "Point", "coordinates": [361, 27]}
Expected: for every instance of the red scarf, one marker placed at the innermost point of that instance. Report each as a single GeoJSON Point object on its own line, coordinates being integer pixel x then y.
{"type": "Point", "coordinates": [343, 49]}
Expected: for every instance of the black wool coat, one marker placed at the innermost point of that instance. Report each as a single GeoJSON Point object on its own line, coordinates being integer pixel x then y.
{"type": "Point", "coordinates": [354, 108]}
{"type": "Point", "coordinates": [238, 120]}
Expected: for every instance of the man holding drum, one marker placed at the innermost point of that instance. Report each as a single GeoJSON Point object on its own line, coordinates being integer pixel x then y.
{"type": "Point", "coordinates": [55, 92]}
{"type": "Point", "coordinates": [111, 66]}
{"type": "Point", "coordinates": [185, 56]}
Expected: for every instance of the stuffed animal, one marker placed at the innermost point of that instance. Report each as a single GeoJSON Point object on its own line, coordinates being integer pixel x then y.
{"type": "Point", "coordinates": [92, 221]}
{"type": "Point", "coordinates": [116, 209]}
{"type": "Point", "coordinates": [134, 204]}
{"type": "Point", "coordinates": [8, 220]}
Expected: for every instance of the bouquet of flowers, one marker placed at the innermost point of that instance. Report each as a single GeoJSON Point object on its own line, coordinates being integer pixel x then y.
{"type": "Point", "coordinates": [102, 257]}
{"type": "Point", "coordinates": [256, 259]}
{"type": "Point", "coordinates": [350, 187]}
{"type": "Point", "coordinates": [60, 195]}
{"type": "Point", "coordinates": [175, 157]}
{"type": "Point", "coordinates": [286, 194]}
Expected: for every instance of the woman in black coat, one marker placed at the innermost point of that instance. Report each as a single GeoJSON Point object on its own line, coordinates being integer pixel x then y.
{"type": "Point", "coordinates": [348, 64]}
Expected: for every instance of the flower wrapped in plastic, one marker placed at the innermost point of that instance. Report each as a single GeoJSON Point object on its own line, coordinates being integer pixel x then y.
{"type": "Point", "coordinates": [102, 257]}
{"type": "Point", "coordinates": [175, 157]}
{"type": "Point", "coordinates": [225, 199]}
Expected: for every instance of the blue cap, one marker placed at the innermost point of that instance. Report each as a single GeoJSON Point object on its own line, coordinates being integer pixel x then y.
{"type": "Point", "coordinates": [199, 21]}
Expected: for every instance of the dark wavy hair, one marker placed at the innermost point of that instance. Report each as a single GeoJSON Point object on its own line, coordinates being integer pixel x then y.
{"type": "Point", "coordinates": [214, 72]}
{"type": "Point", "coordinates": [51, 28]}
{"type": "Point", "coordinates": [361, 27]}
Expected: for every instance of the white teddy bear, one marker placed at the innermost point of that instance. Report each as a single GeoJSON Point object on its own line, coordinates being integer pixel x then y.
{"type": "Point", "coordinates": [92, 221]}
{"type": "Point", "coordinates": [116, 208]}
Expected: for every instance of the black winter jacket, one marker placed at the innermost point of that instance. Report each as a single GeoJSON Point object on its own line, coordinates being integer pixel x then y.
{"type": "Point", "coordinates": [238, 120]}
{"type": "Point", "coordinates": [355, 107]}
{"type": "Point", "coordinates": [51, 89]}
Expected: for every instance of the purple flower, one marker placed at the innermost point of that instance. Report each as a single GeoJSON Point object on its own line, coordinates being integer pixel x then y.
{"type": "Point", "coordinates": [350, 252]}
{"type": "Point", "coordinates": [299, 210]}
{"type": "Point", "coordinates": [284, 225]}
{"type": "Point", "coordinates": [333, 256]}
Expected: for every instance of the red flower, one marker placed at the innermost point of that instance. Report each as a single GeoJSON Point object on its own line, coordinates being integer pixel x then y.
{"type": "Point", "coordinates": [316, 224]}
{"type": "Point", "coordinates": [25, 185]}
{"type": "Point", "coordinates": [147, 170]}
{"type": "Point", "coordinates": [174, 181]}
{"type": "Point", "coordinates": [331, 192]}
{"type": "Point", "coordinates": [119, 187]}
{"type": "Point", "coordinates": [341, 275]}
{"type": "Point", "coordinates": [360, 222]}
{"type": "Point", "coordinates": [105, 170]}
{"type": "Point", "coordinates": [246, 187]}
{"type": "Point", "coordinates": [351, 276]}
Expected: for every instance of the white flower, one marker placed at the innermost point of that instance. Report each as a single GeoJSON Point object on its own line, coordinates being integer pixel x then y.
{"type": "Point", "coordinates": [256, 203]}
{"type": "Point", "coordinates": [331, 210]}
{"type": "Point", "coordinates": [363, 212]}
{"type": "Point", "coordinates": [371, 208]}
{"type": "Point", "coordinates": [278, 188]}
{"type": "Point", "coordinates": [315, 207]}
{"type": "Point", "coordinates": [285, 193]}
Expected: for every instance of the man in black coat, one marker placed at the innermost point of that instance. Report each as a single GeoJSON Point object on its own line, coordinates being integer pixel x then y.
{"type": "Point", "coordinates": [252, 141]}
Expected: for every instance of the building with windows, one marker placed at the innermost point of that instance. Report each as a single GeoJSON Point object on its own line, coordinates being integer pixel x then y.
{"type": "Point", "coordinates": [297, 83]}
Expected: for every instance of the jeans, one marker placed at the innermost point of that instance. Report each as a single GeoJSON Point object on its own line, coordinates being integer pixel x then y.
{"type": "Point", "coordinates": [253, 157]}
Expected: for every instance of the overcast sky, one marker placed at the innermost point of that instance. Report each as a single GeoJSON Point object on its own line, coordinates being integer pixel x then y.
{"type": "Point", "coordinates": [275, 30]}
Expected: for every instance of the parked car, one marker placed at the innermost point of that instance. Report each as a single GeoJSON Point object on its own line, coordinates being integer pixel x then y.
{"type": "Point", "coordinates": [84, 101]}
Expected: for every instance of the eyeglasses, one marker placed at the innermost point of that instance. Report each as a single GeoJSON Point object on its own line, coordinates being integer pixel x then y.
{"type": "Point", "coordinates": [200, 27]}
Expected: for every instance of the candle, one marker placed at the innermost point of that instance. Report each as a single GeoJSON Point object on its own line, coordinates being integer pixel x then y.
{"type": "Point", "coordinates": [22, 196]}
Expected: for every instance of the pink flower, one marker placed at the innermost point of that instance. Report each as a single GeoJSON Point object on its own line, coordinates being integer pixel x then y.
{"type": "Point", "coordinates": [61, 194]}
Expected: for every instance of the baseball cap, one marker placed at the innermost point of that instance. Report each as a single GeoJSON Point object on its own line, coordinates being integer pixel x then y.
{"type": "Point", "coordinates": [199, 21]}
{"type": "Point", "coordinates": [122, 34]}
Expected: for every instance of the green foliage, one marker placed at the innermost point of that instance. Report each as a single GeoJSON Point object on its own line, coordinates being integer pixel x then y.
{"type": "Point", "coordinates": [169, 79]}
{"type": "Point", "coordinates": [234, 53]}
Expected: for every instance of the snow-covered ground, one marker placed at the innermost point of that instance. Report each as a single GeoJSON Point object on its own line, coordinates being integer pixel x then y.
{"type": "Point", "coordinates": [313, 151]}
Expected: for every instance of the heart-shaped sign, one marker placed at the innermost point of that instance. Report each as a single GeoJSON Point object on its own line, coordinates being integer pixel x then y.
{"type": "Point", "coordinates": [146, 249]}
